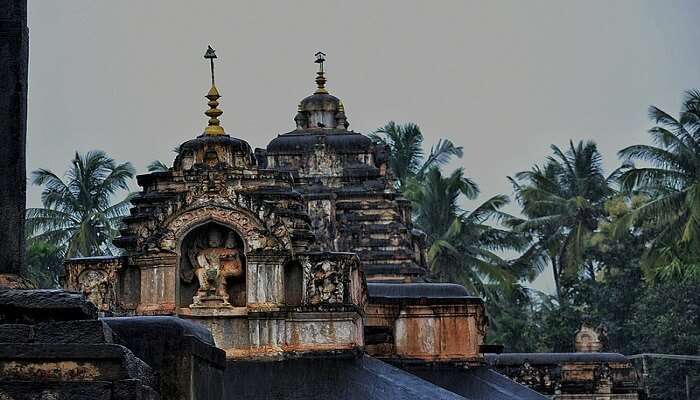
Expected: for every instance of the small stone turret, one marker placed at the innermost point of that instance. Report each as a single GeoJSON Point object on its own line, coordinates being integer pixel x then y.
{"type": "Point", "coordinates": [588, 340]}
{"type": "Point", "coordinates": [321, 110]}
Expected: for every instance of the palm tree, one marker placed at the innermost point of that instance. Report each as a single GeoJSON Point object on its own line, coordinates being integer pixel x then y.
{"type": "Point", "coordinates": [406, 156]}
{"type": "Point", "coordinates": [160, 166]}
{"type": "Point", "coordinates": [462, 246]}
{"type": "Point", "coordinates": [157, 166]}
{"type": "Point", "coordinates": [78, 213]}
{"type": "Point", "coordinates": [562, 202]}
{"type": "Point", "coordinates": [672, 182]}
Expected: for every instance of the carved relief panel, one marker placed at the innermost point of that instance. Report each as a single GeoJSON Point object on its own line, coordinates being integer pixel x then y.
{"type": "Point", "coordinates": [212, 268]}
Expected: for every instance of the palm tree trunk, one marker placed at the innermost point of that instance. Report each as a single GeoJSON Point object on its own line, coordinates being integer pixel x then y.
{"type": "Point", "coordinates": [561, 260]}
{"type": "Point", "coordinates": [555, 271]}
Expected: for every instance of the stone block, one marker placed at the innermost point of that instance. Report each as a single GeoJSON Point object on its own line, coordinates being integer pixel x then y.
{"type": "Point", "coordinates": [181, 352]}
{"type": "Point", "coordinates": [38, 305]}
{"type": "Point", "coordinates": [72, 362]}
{"type": "Point", "coordinates": [76, 332]}
{"type": "Point", "coordinates": [16, 333]}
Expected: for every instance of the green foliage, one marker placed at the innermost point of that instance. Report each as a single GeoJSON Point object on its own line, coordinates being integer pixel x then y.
{"type": "Point", "coordinates": [78, 214]}
{"type": "Point", "coordinates": [406, 155]}
{"type": "Point", "coordinates": [673, 185]}
{"type": "Point", "coordinates": [43, 264]}
{"type": "Point", "coordinates": [628, 260]}
{"type": "Point", "coordinates": [563, 204]}
{"type": "Point", "coordinates": [462, 245]}
{"type": "Point", "coordinates": [157, 166]}
{"type": "Point", "coordinates": [666, 319]}
{"type": "Point", "coordinates": [514, 321]}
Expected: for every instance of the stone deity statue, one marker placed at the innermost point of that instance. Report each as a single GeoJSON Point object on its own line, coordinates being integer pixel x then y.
{"type": "Point", "coordinates": [214, 265]}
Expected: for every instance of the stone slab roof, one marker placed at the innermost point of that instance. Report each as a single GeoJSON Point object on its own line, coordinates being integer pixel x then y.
{"type": "Point", "coordinates": [327, 378]}
{"type": "Point", "coordinates": [476, 383]}
{"type": "Point", "coordinates": [417, 292]}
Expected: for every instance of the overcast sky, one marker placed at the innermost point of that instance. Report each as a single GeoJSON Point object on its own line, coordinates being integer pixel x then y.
{"type": "Point", "coordinates": [504, 79]}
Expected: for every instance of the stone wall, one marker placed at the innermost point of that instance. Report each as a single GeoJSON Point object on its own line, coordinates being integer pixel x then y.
{"type": "Point", "coordinates": [52, 346]}
{"type": "Point", "coordinates": [568, 376]}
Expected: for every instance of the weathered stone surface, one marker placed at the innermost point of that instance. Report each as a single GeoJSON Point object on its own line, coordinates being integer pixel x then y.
{"type": "Point", "coordinates": [16, 333]}
{"type": "Point", "coordinates": [588, 339]}
{"type": "Point", "coordinates": [21, 306]}
{"type": "Point", "coordinates": [425, 322]}
{"type": "Point", "coordinates": [38, 390]}
{"type": "Point", "coordinates": [14, 59]}
{"type": "Point", "coordinates": [181, 352]}
{"type": "Point", "coordinates": [98, 279]}
{"type": "Point", "coordinates": [220, 241]}
{"type": "Point", "coordinates": [571, 375]}
{"type": "Point", "coordinates": [128, 389]}
{"type": "Point", "coordinates": [71, 362]}
{"type": "Point", "coordinates": [45, 354]}
{"type": "Point", "coordinates": [76, 332]}
{"type": "Point", "coordinates": [473, 383]}
{"type": "Point", "coordinates": [64, 332]}
{"type": "Point", "coordinates": [329, 378]}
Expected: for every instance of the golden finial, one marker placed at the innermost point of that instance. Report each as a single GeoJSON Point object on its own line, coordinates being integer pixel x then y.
{"type": "Point", "coordinates": [213, 128]}
{"type": "Point", "coordinates": [320, 78]}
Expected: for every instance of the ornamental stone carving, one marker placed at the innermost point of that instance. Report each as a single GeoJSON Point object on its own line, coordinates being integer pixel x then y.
{"type": "Point", "coordinates": [97, 279]}
{"type": "Point", "coordinates": [255, 235]}
{"type": "Point", "coordinates": [588, 339]}
{"type": "Point", "coordinates": [326, 282]}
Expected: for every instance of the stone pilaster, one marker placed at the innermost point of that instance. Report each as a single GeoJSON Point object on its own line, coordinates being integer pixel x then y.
{"type": "Point", "coordinates": [265, 279]}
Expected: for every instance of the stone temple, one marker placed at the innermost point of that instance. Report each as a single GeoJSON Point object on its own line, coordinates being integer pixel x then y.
{"type": "Point", "coordinates": [287, 272]}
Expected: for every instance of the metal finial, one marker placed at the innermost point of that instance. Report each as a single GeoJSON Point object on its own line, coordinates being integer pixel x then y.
{"type": "Point", "coordinates": [211, 55]}
{"type": "Point", "coordinates": [320, 78]}
{"type": "Point", "coordinates": [214, 127]}
{"type": "Point", "coordinates": [320, 59]}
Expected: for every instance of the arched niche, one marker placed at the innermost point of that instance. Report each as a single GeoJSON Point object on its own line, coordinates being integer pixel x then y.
{"type": "Point", "coordinates": [293, 283]}
{"type": "Point", "coordinates": [212, 266]}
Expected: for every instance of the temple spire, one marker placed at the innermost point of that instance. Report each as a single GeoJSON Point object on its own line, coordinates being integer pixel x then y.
{"type": "Point", "coordinates": [320, 78]}
{"type": "Point", "coordinates": [213, 128]}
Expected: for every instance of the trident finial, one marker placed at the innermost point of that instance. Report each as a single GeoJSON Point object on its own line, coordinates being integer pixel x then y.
{"type": "Point", "coordinates": [211, 55]}
{"type": "Point", "coordinates": [320, 59]}
{"type": "Point", "coordinates": [320, 78]}
{"type": "Point", "coordinates": [213, 128]}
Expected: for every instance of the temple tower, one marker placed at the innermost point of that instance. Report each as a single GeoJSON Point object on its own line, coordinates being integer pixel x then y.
{"type": "Point", "coordinates": [350, 196]}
